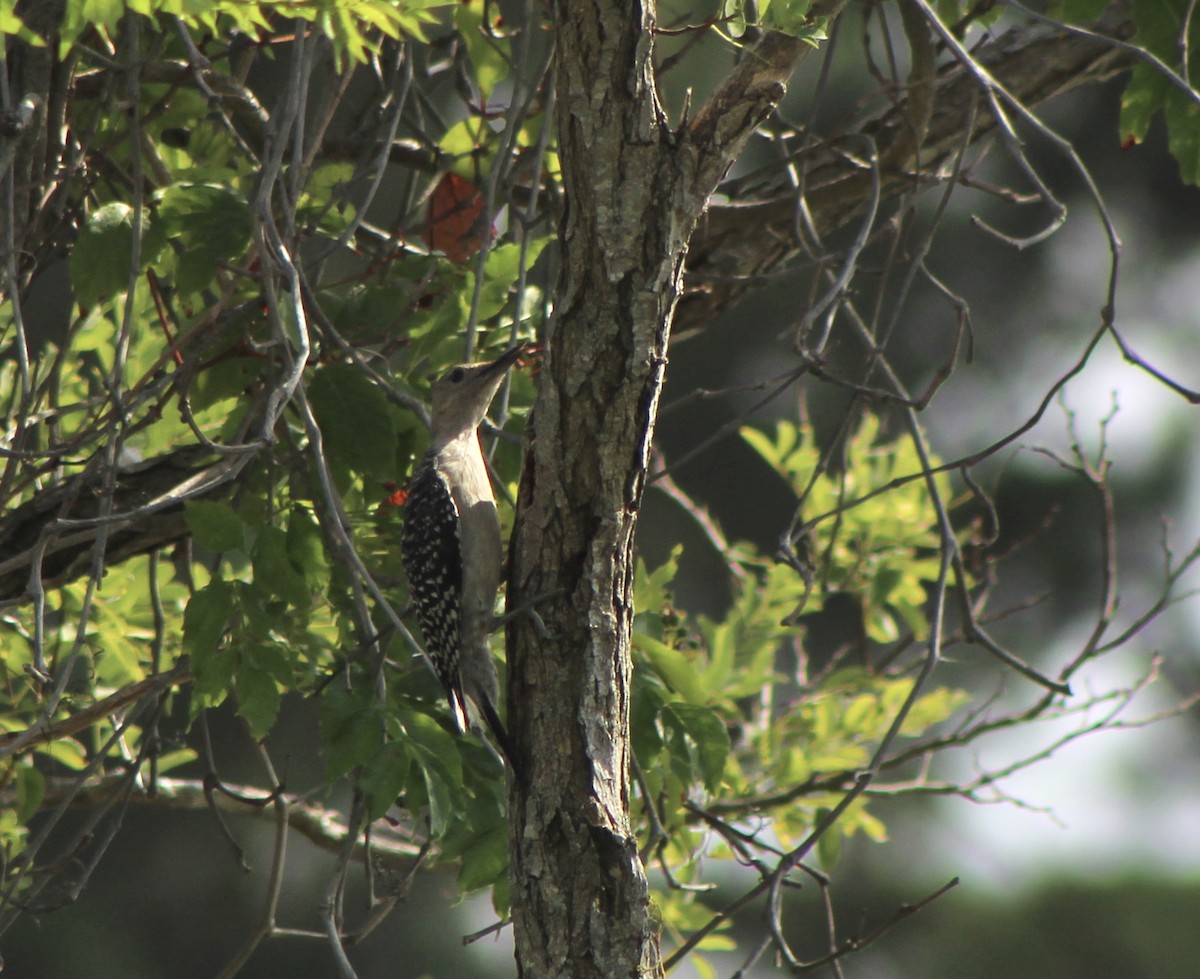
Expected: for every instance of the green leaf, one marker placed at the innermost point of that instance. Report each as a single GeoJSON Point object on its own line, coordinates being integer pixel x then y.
{"type": "Point", "coordinates": [306, 548]}
{"type": "Point", "coordinates": [485, 860]}
{"type": "Point", "coordinates": [258, 697]}
{"type": "Point", "coordinates": [1143, 96]}
{"type": "Point", "coordinates": [438, 759]}
{"type": "Point", "coordinates": [10, 23]}
{"type": "Point", "coordinates": [174, 759]}
{"type": "Point", "coordinates": [384, 777]}
{"type": "Point", "coordinates": [1183, 133]}
{"type": "Point", "coordinates": [792, 454]}
{"type": "Point", "coordinates": [118, 659]}
{"type": "Point", "coordinates": [862, 715]}
{"type": "Point", "coordinates": [101, 257]}
{"type": "Point", "coordinates": [213, 225]}
{"type": "Point", "coordinates": [488, 58]}
{"type": "Point", "coordinates": [215, 526]}
{"type": "Point", "coordinates": [258, 618]}
{"type": "Point", "coordinates": [829, 844]}
{"type": "Point", "coordinates": [500, 273]}
{"type": "Point", "coordinates": [357, 423]}
{"type": "Point", "coordinates": [707, 732]}
{"type": "Point", "coordinates": [1160, 25]}
{"type": "Point", "coordinates": [873, 828]}
{"type": "Point", "coordinates": [501, 899]}
{"type": "Point", "coordinates": [228, 378]}
{"type": "Point", "coordinates": [370, 313]}
{"type": "Point", "coordinates": [324, 199]}
{"type": "Point", "coordinates": [471, 143]}
{"type": "Point", "coordinates": [67, 752]}
{"type": "Point", "coordinates": [838, 757]}
{"type": "Point", "coordinates": [445, 317]}
{"type": "Point", "coordinates": [274, 570]}
{"type": "Point", "coordinates": [651, 589]}
{"type": "Point", "coordinates": [674, 667]}
{"type": "Point", "coordinates": [31, 785]}
{"type": "Point", "coordinates": [733, 13]}
{"type": "Point", "coordinates": [351, 730]}
{"type": "Point", "coordinates": [204, 623]}
{"type": "Point", "coordinates": [786, 16]}
{"type": "Point", "coordinates": [716, 943]}
{"type": "Point", "coordinates": [931, 709]}
{"type": "Point", "coordinates": [721, 644]}
{"type": "Point", "coordinates": [772, 452]}
{"type": "Point", "coordinates": [643, 719]}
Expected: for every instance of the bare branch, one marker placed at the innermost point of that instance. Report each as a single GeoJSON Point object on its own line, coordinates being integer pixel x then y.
{"type": "Point", "coordinates": [326, 828]}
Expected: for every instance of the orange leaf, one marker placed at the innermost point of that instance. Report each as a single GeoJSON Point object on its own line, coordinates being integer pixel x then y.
{"type": "Point", "coordinates": [455, 218]}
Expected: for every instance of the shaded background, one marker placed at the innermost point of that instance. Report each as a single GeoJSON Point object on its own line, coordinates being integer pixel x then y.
{"type": "Point", "coordinates": [1099, 873]}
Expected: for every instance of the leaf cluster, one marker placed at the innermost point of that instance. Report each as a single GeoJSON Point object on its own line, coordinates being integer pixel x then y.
{"type": "Point", "coordinates": [1163, 81]}
{"type": "Point", "coordinates": [354, 26]}
{"type": "Point", "coordinates": [730, 728]}
{"type": "Point", "coordinates": [183, 332]}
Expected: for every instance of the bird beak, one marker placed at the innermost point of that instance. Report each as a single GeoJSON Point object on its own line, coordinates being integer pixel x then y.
{"type": "Point", "coordinates": [505, 360]}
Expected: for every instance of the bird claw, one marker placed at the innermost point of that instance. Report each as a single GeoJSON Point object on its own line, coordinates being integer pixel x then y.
{"type": "Point", "coordinates": [530, 611]}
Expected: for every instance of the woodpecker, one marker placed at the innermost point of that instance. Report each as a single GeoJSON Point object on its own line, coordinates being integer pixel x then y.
{"type": "Point", "coordinates": [451, 545]}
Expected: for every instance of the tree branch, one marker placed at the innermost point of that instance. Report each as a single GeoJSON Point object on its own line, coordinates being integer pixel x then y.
{"type": "Point", "coordinates": [324, 827]}
{"type": "Point", "coordinates": [59, 527]}
{"type": "Point", "coordinates": [737, 243]}
{"type": "Point", "coordinates": [14, 741]}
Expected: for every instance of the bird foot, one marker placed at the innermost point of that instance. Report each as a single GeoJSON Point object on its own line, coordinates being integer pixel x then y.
{"type": "Point", "coordinates": [530, 610]}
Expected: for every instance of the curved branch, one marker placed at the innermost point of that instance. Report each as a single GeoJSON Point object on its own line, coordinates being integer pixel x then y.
{"type": "Point", "coordinates": [326, 828]}
{"type": "Point", "coordinates": [741, 241]}
{"type": "Point", "coordinates": [14, 741]}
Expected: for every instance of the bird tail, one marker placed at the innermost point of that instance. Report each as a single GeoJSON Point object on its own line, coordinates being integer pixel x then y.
{"type": "Point", "coordinates": [500, 733]}
{"type": "Point", "coordinates": [458, 708]}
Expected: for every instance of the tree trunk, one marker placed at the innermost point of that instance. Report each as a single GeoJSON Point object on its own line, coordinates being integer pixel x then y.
{"type": "Point", "coordinates": [580, 900]}
{"type": "Point", "coordinates": [635, 189]}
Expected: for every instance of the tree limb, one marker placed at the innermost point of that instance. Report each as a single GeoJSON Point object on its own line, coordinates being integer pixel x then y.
{"type": "Point", "coordinates": [324, 827]}
{"type": "Point", "coordinates": [737, 242]}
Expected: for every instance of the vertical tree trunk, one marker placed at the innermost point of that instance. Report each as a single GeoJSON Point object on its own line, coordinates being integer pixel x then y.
{"type": "Point", "coordinates": [580, 900]}
{"type": "Point", "coordinates": [581, 904]}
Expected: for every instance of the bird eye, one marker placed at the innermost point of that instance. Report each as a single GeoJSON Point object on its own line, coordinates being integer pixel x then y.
{"type": "Point", "coordinates": [456, 375]}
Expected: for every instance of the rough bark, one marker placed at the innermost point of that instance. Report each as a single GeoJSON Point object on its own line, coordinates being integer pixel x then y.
{"type": "Point", "coordinates": [634, 191]}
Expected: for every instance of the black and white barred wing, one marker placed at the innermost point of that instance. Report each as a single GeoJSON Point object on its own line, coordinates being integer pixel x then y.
{"type": "Point", "coordinates": [432, 555]}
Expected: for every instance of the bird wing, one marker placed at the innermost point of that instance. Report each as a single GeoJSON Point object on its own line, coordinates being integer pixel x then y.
{"type": "Point", "coordinates": [432, 556]}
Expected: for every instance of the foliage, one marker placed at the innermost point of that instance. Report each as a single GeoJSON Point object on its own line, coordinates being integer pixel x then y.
{"type": "Point", "coordinates": [786, 16]}
{"type": "Point", "coordinates": [263, 607]}
{"type": "Point", "coordinates": [354, 26]}
{"type": "Point", "coordinates": [1166, 32]}
{"type": "Point", "coordinates": [726, 719]}
{"type": "Point", "coordinates": [884, 548]}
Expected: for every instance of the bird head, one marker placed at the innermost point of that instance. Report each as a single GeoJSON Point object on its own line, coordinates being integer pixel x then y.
{"type": "Point", "coordinates": [462, 395]}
